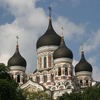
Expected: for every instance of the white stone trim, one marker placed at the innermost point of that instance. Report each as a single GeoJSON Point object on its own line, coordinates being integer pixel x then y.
{"type": "Point", "coordinates": [83, 73]}
{"type": "Point", "coordinates": [62, 60]}
{"type": "Point", "coordinates": [46, 48]}
{"type": "Point", "coordinates": [33, 84]}
{"type": "Point", "coordinates": [17, 68]}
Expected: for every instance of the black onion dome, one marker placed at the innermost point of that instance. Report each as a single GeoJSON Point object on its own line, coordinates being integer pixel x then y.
{"type": "Point", "coordinates": [49, 38]}
{"type": "Point", "coordinates": [62, 51]}
{"type": "Point", "coordinates": [17, 59]}
{"type": "Point", "coordinates": [83, 65]}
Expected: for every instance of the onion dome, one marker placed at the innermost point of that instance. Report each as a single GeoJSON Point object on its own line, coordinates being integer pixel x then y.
{"type": "Point", "coordinates": [17, 59]}
{"type": "Point", "coordinates": [83, 65]}
{"type": "Point", "coordinates": [50, 37]}
{"type": "Point", "coordinates": [62, 51]}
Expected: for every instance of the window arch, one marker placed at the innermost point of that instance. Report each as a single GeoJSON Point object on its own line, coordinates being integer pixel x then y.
{"type": "Point", "coordinates": [45, 78]}
{"type": "Point", "coordinates": [18, 78]}
{"type": "Point", "coordinates": [59, 71]}
{"type": "Point", "coordinates": [45, 62]}
{"type": "Point", "coordinates": [66, 71]}
{"type": "Point", "coordinates": [86, 82]}
{"type": "Point", "coordinates": [37, 79]}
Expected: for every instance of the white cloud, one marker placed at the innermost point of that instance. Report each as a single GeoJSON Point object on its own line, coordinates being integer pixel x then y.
{"type": "Point", "coordinates": [30, 22]}
{"type": "Point", "coordinates": [93, 42]}
{"type": "Point", "coordinates": [71, 30]}
{"type": "Point", "coordinates": [96, 69]}
{"type": "Point", "coordinates": [96, 73]}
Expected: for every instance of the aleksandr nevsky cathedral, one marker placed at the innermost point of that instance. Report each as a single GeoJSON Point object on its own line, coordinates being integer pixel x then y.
{"type": "Point", "coordinates": [54, 73]}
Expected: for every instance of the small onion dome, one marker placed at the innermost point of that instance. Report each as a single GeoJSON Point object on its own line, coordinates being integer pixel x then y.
{"type": "Point", "coordinates": [49, 38]}
{"type": "Point", "coordinates": [62, 51]}
{"type": "Point", "coordinates": [17, 59]}
{"type": "Point", "coordinates": [83, 65]}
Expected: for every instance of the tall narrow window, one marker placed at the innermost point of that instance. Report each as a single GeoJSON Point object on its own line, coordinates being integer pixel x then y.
{"type": "Point", "coordinates": [45, 62]}
{"type": "Point", "coordinates": [52, 77]}
{"type": "Point", "coordinates": [59, 71]}
{"type": "Point", "coordinates": [37, 79]}
{"type": "Point", "coordinates": [81, 82]}
{"type": "Point", "coordinates": [18, 78]}
{"type": "Point", "coordinates": [45, 78]}
{"type": "Point", "coordinates": [86, 82]}
{"type": "Point", "coordinates": [66, 71]}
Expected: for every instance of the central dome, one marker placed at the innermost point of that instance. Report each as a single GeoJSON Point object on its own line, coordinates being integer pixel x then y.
{"type": "Point", "coordinates": [49, 38]}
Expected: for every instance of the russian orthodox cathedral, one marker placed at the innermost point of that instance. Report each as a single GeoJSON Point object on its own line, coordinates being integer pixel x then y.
{"type": "Point", "coordinates": [54, 73]}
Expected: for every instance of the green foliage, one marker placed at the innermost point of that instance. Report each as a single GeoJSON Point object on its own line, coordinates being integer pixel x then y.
{"type": "Point", "coordinates": [3, 68]}
{"type": "Point", "coordinates": [8, 87]}
{"type": "Point", "coordinates": [92, 93]}
{"type": "Point", "coordinates": [40, 95]}
{"type": "Point", "coordinates": [7, 90]}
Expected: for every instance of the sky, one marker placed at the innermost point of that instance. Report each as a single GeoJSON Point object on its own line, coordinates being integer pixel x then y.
{"type": "Point", "coordinates": [28, 19]}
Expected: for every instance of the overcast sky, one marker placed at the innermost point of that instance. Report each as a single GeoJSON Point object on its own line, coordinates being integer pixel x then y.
{"type": "Point", "coordinates": [29, 20]}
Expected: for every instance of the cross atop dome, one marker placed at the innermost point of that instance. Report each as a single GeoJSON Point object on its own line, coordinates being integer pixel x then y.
{"type": "Point", "coordinates": [17, 39]}
{"type": "Point", "coordinates": [49, 12]}
{"type": "Point", "coordinates": [62, 35]}
{"type": "Point", "coordinates": [82, 48]}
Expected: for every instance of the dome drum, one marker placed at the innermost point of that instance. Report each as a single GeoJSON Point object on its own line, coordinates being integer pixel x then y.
{"type": "Point", "coordinates": [66, 60]}
{"type": "Point", "coordinates": [20, 68]}
{"type": "Point", "coordinates": [46, 48]}
{"type": "Point", "coordinates": [83, 73]}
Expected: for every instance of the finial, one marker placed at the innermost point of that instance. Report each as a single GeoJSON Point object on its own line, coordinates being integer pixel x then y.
{"type": "Point", "coordinates": [82, 49]}
{"type": "Point", "coordinates": [62, 36]}
{"type": "Point", "coordinates": [62, 32]}
{"type": "Point", "coordinates": [17, 40]}
{"type": "Point", "coordinates": [49, 12]}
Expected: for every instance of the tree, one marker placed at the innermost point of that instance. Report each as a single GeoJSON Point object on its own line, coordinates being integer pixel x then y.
{"type": "Point", "coordinates": [72, 96]}
{"type": "Point", "coordinates": [39, 95]}
{"type": "Point", "coordinates": [8, 87]}
{"type": "Point", "coordinates": [92, 93]}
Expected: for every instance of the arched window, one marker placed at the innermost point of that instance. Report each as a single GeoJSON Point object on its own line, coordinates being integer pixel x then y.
{"type": "Point", "coordinates": [45, 78]}
{"type": "Point", "coordinates": [86, 82]}
{"type": "Point", "coordinates": [45, 62]}
{"type": "Point", "coordinates": [37, 79]}
{"type": "Point", "coordinates": [18, 78]}
{"type": "Point", "coordinates": [66, 71]}
{"type": "Point", "coordinates": [59, 71]}
{"type": "Point", "coordinates": [81, 82]}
